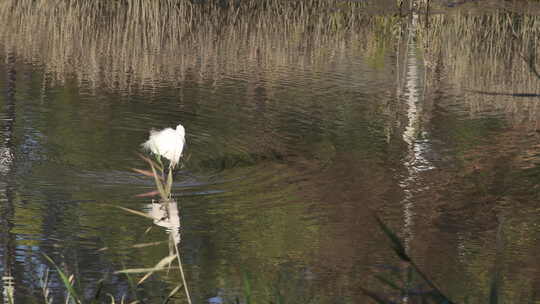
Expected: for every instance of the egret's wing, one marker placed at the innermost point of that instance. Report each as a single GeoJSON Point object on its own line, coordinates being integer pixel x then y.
{"type": "Point", "coordinates": [147, 145]}
{"type": "Point", "coordinates": [167, 143]}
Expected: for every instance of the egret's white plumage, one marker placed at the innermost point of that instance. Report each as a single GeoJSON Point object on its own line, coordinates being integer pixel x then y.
{"type": "Point", "coordinates": [167, 143]}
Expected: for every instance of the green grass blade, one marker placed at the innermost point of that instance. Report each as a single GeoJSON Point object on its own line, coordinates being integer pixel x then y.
{"type": "Point", "coordinates": [172, 293]}
{"type": "Point", "coordinates": [168, 187]}
{"type": "Point", "coordinates": [388, 282]}
{"type": "Point", "coordinates": [65, 280]}
{"type": "Point", "coordinates": [132, 285]}
{"type": "Point", "coordinates": [494, 290]}
{"type": "Point", "coordinates": [247, 287]}
{"type": "Point", "coordinates": [159, 185]}
{"type": "Point", "coordinates": [98, 292]}
{"type": "Point", "coordinates": [398, 247]}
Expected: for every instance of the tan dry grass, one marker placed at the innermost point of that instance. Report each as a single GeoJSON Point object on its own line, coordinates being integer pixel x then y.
{"type": "Point", "coordinates": [129, 44]}
{"type": "Point", "coordinates": [489, 56]}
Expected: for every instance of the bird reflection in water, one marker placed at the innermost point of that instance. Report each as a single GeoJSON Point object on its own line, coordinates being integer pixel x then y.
{"type": "Point", "coordinates": [165, 214]}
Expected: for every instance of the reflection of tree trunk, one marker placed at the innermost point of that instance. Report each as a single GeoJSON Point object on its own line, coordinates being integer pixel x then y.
{"type": "Point", "coordinates": [412, 99]}
{"type": "Point", "coordinates": [7, 189]}
{"type": "Point", "coordinates": [417, 145]}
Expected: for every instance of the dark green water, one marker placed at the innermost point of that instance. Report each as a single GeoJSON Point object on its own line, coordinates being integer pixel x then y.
{"type": "Point", "coordinates": [295, 139]}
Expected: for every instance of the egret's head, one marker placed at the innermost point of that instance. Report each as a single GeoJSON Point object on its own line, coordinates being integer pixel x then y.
{"type": "Point", "coordinates": [180, 129]}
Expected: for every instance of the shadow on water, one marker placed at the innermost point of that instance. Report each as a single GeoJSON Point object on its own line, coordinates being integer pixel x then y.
{"type": "Point", "coordinates": [301, 118]}
{"type": "Point", "coordinates": [407, 290]}
{"type": "Point", "coordinates": [507, 94]}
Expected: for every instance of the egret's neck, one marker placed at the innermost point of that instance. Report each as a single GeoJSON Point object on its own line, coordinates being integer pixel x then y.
{"type": "Point", "coordinates": [180, 131]}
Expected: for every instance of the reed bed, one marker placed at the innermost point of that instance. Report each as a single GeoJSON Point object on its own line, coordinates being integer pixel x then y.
{"type": "Point", "coordinates": [130, 44]}
{"type": "Point", "coordinates": [493, 58]}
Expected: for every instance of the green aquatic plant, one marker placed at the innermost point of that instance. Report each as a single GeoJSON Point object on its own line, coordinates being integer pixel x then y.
{"type": "Point", "coordinates": [68, 282]}
{"type": "Point", "coordinates": [163, 189]}
{"type": "Point", "coordinates": [73, 296]}
{"type": "Point", "coordinates": [44, 281]}
{"type": "Point", "coordinates": [434, 295]}
{"type": "Point", "coordinates": [405, 286]}
{"type": "Point", "coordinates": [163, 185]}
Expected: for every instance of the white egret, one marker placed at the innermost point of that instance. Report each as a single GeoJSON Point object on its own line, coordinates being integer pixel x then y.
{"type": "Point", "coordinates": [168, 143]}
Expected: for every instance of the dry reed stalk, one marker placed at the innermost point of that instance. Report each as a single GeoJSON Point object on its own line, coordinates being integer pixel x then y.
{"type": "Point", "coordinates": [487, 53]}
{"type": "Point", "coordinates": [137, 44]}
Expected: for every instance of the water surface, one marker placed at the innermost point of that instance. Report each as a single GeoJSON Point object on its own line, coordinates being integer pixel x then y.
{"type": "Point", "coordinates": [299, 130]}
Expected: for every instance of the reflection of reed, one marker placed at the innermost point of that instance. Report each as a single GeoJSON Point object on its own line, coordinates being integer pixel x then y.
{"type": "Point", "coordinates": [165, 214]}
{"type": "Point", "coordinates": [494, 54]}
{"type": "Point", "coordinates": [490, 62]}
{"type": "Point", "coordinates": [130, 44]}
